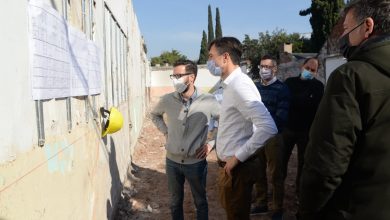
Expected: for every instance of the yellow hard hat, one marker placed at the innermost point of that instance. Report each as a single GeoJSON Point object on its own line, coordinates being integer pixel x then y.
{"type": "Point", "coordinates": [114, 122]}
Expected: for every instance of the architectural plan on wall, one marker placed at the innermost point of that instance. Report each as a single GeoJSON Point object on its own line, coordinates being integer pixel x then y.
{"type": "Point", "coordinates": [94, 68]}
{"type": "Point", "coordinates": [63, 61]}
{"type": "Point", "coordinates": [79, 58]}
{"type": "Point", "coordinates": [50, 58]}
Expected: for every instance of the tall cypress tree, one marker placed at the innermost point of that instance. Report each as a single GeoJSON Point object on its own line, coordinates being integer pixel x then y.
{"type": "Point", "coordinates": [218, 28]}
{"type": "Point", "coordinates": [324, 15]}
{"type": "Point", "coordinates": [203, 55]}
{"type": "Point", "coordinates": [210, 26]}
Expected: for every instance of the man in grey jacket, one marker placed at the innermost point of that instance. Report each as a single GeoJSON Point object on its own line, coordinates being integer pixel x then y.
{"type": "Point", "coordinates": [188, 113]}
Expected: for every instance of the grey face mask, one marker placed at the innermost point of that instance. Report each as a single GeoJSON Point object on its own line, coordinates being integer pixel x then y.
{"type": "Point", "coordinates": [265, 73]}
{"type": "Point", "coordinates": [213, 68]}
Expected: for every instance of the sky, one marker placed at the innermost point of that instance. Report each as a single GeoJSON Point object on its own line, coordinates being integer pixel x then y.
{"type": "Point", "coordinates": [178, 24]}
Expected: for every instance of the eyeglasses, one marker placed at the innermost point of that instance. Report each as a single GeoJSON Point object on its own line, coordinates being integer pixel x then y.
{"type": "Point", "coordinates": [265, 67]}
{"type": "Point", "coordinates": [179, 75]}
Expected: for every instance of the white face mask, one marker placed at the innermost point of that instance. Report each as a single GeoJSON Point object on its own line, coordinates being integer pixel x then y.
{"type": "Point", "coordinates": [213, 68]}
{"type": "Point", "coordinates": [265, 73]}
{"type": "Point", "coordinates": [179, 85]}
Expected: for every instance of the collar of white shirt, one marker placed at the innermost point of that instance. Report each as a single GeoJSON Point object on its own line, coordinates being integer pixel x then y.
{"type": "Point", "coordinates": [231, 77]}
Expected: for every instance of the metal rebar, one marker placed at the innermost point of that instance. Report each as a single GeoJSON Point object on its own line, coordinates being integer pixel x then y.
{"type": "Point", "coordinates": [40, 123]}
{"type": "Point", "coordinates": [69, 113]}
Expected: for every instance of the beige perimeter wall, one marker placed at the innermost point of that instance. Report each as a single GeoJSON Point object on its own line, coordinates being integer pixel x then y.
{"type": "Point", "coordinates": [75, 174]}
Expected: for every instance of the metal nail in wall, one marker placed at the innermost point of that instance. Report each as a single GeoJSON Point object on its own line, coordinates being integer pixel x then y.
{"type": "Point", "coordinates": [69, 113]}
{"type": "Point", "coordinates": [105, 57]}
{"type": "Point", "coordinates": [65, 9]}
{"type": "Point", "coordinates": [40, 122]}
{"type": "Point", "coordinates": [95, 115]}
{"type": "Point", "coordinates": [112, 63]}
{"type": "Point", "coordinates": [126, 72]}
{"type": "Point", "coordinates": [68, 99]}
{"type": "Point", "coordinates": [116, 64]}
{"type": "Point", "coordinates": [84, 28]}
{"type": "Point", "coordinates": [91, 19]}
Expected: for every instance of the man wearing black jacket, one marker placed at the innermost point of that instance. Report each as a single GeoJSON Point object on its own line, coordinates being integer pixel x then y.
{"type": "Point", "coordinates": [346, 174]}
{"type": "Point", "coordinates": [306, 92]}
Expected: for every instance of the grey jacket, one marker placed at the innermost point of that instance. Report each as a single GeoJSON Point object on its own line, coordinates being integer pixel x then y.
{"type": "Point", "coordinates": [186, 130]}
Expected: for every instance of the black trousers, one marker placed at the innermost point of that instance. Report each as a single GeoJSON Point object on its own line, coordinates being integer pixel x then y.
{"type": "Point", "coordinates": [290, 139]}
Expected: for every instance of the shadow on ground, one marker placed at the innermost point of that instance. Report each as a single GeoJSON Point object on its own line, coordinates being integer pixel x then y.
{"type": "Point", "coordinates": [145, 193]}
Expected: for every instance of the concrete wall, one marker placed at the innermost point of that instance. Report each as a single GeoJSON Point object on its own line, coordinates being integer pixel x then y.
{"type": "Point", "coordinates": [162, 84]}
{"type": "Point", "coordinates": [76, 174]}
{"type": "Point", "coordinates": [332, 63]}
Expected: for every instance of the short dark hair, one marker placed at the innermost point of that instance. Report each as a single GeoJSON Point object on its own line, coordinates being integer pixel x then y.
{"type": "Point", "coordinates": [311, 58]}
{"type": "Point", "coordinates": [378, 10]}
{"type": "Point", "coordinates": [191, 67]}
{"type": "Point", "coordinates": [269, 57]}
{"type": "Point", "coordinates": [230, 45]}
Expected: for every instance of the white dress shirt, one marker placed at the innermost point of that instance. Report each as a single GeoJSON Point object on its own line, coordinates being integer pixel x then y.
{"type": "Point", "coordinates": [244, 123]}
{"type": "Point", "coordinates": [217, 91]}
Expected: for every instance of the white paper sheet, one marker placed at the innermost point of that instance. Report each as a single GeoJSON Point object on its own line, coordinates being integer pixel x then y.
{"type": "Point", "coordinates": [63, 62]}
{"type": "Point", "coordinates": [94, 69]}
{"type": "Point", "coordinates": [50, 63]}
{"type": "Point", "coordinates": [79, 58]}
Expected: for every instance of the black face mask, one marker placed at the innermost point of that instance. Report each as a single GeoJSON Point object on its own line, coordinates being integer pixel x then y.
{"type": "Point", "coordinates": [345, 46]}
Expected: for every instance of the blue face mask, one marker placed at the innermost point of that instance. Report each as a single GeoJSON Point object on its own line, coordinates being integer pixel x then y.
{"type": "Point", "coordinates": [306, 75]}
{"type": "Point", "coordinates": [213, 68]}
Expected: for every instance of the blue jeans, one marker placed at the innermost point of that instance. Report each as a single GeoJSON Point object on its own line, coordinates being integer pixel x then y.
{"type": "Point", "coordinates": [195, 174]}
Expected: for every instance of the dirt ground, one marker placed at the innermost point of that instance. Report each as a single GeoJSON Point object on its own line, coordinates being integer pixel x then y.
{"type": "Point", "coordinates": [145, 193]}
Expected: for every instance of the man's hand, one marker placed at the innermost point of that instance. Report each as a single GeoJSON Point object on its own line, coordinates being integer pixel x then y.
{"type": "Point", "coordinates": [203, 151]}
{"type": "Point", "coordinates": [230, 164]}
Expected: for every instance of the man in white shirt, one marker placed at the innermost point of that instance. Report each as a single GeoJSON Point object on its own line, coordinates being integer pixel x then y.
{"type": "Point", "coordinates": [244, 126]}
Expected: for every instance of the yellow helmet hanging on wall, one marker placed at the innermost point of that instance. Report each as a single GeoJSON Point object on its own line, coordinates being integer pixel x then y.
{"type": "Point", "coordinates": [114, 122]}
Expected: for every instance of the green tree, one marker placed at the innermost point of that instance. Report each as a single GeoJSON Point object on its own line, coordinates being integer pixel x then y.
{"type": "Point", "coordinates": [270, 43]}
{"type": "Point", "coordinates": [218, 28]}
{"type": "Point", "coordinates": [210, 26]}
{"type": "Point", "coordinates": [168, 57]}
{"type": "Point", "coordinates": [306, 45]}
{"type": "Point", "coordinates": [251, 52]}
{"type": "Point", "coordinates": [203, 54]}
{"type": "Point", "coordinates": [155, 60]}
{"type": "Point", "coordinates": [324, 15]}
